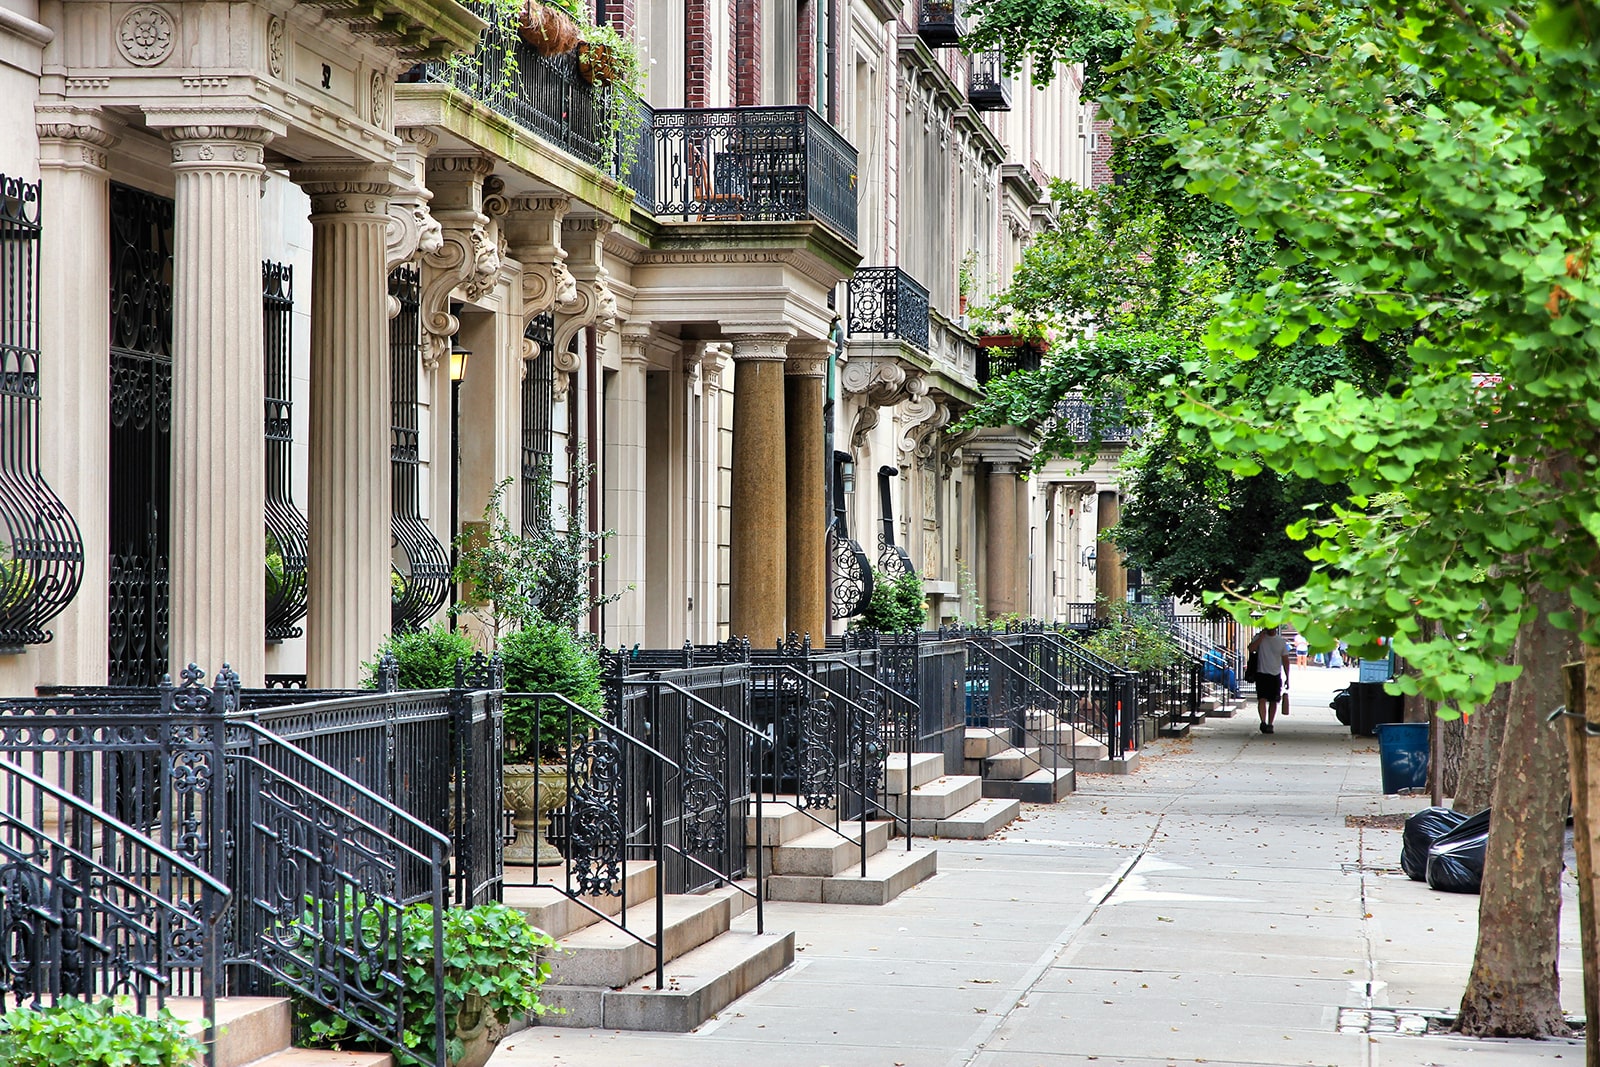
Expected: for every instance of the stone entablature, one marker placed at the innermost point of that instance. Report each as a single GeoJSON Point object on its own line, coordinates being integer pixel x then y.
{"type": "Point", "coordinates": [324, 70]}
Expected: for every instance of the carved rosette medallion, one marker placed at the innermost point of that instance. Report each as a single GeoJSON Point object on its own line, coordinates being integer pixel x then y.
{"type": "Point", "coordinates": [146, 36]}
{"type": "Point", "coordinates": [276, 47]}
{"type": "Point", "coordinates": [380, 101]}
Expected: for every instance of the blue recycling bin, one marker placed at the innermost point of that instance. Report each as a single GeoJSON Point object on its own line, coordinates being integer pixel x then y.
{"type": "Point", "coordinates": [1403, 755]}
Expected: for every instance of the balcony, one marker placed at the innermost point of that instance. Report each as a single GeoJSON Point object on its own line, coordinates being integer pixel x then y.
{"type": "Point", "coordinates": [544, 94]}
{"type": "Point", "coordinates": [940, 23]}
{"type": "Point", "coordinates": [989, 87]}
{"type": "Point", "coordinates": [1082, 421]}
{"type": "Point", "coordinates": [888, 302]}
{"type": "Point", "coordinates": [1000, 354]}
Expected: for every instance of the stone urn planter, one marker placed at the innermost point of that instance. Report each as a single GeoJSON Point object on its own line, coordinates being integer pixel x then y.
{"type": "Point", "coordinates": [479, 1032]}
{"type": "Point", "coordinates": [532, 792]}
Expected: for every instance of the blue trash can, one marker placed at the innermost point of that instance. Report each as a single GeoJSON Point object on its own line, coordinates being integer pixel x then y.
{"type": "Point", "coordinates": [1403, 755]}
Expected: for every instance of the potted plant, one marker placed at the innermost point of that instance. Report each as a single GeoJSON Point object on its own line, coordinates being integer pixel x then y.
{"type": "Point", "coordinates": [966, 275]}
{"type": "Point", "coordinates": [547, 658]}
{"type": "Point", "coordinates": [606, 56]}
{"type": "Point", "coordinates": [426, 659]}
{"type": "Point", "coordinates": [550, 27]}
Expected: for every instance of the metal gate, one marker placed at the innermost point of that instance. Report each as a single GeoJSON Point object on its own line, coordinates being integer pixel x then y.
{"type": "Point", "coordinates": [140, 458]}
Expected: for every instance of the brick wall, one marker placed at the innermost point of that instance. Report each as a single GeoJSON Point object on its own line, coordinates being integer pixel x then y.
{"type": "Point", "coordinates": [807, 61]}
{"type": "Point", "coordinates": [1100, 171]}
{"type": "Point", "coordinates": [747, 53]}
{"type": "Point", "coordinates": [697, 53]}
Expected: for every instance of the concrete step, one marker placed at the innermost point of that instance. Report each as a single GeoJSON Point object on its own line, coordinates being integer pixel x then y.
{"type": "Point", "coordinates": [311, 1057]}
{"type": "Point", "coordinates": [604, 956]}
{"type": "Point", "coordinates": [1225, 710]}
{"type": "Point", "coordinates": [1125, 764]}
{"type": "Point", "coordinates": [982, 742]}
{"type": "Point", "coordinates": [781, 822]}
{"type": "Point", "coordinates": [924, 767]}
{"type": "Point", "coordinates": [1070, 742]}
{"type": "Point", "coordinates": [1013, 763]}
{"type": "Point", "coordinates": [889, 874]}
{"type": "Point", "coordinates": [558, 915]}
{"type": "Point", "coordinates": [824, 852]}
{"type": "Point", "coordinates": [248, 1028]}
{"type": "Point", "coordinates": [699, 984]}
{"type": "Point", "coordinates": [1041, 787]}
{"type": "Point", "coordinates": [977, 820]}
{"type": "Point", "coordinates": [1175, 728]}
{"type": "Point", "coordinates": [940, 798]}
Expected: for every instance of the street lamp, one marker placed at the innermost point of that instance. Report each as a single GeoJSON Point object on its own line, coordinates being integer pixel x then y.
{"type": "Point", "coordinates": [458, 374]}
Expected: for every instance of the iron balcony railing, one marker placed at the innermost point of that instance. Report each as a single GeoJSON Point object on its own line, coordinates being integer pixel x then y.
{"type": "Point", "coordinates": [940, 23]}
{"type": "Point", "coordinates": [988, 85]}
{"type": "Point", "coordinates": [1083, 420]}
{"type": "Point", "coordinates": [763, 164]}
{"type": "Point", "coordinates": [890, 303]}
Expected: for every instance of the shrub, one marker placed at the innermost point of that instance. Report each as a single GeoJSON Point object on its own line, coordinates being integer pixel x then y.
{"type": "Point", "coordinates": [1134, 637]}
{"type": "Point", "coordinates": [76, 1033]}
{"type": "Point", "coordinates": [546, 657]}
{"type": "Point", "coordinates": [896, 603]}
{"type": "Point", "coordinates": [426, 658]}
{"type": "Point", "coordinates": [491, 964]}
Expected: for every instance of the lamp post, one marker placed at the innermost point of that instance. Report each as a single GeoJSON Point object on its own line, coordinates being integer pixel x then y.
{"type": "Point", "coordinates": [458, 374]}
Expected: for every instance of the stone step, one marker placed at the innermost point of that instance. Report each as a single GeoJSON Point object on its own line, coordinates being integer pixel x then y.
{"type": "Point", "coordinates": [1125, 764]}
{"type": "Point", "coordinates": [940, 798]}
{"type": "Point", "coordinates": [924, 767]}
{"type": "Point", "coordinates": [558, 915]}
{"type": "Point", "coordinates": [1070, 742]}
{"type": "Point", "coordinates": [824, 852]}
{"type": "Point", "coordinates": [604, 956]}
{"type": "Point", "coordinates": [977, 820]}
{"type": "Point", "coordinates": [889, 874]}
{"type": "Point", "coordinates": [248, 1028]}
{"type": "Point", "coordinates": [1013, 763]}
{"type": "Point", "coordinates": [312, 1057]}
{"type": "Point", "coordinates": [699, 984]}
{"type": "Point", "coordinates": [1226, 710]}
{"type": "Point", "coordinates": [1175, 728]}
{"type": "Point", "coordinates": [981, 742]}
{"type": "Point", "coordinates": [781, 822]}
{"type": "Point", "coordinates": [1041, 787]}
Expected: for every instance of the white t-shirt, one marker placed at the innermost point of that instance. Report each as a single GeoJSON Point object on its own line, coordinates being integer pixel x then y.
{"type": "Point", "coordinates": [1270, 653]}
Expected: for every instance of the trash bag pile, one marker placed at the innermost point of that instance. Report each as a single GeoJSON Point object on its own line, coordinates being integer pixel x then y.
{"type": "Point", "coordinates": [1446, 848]}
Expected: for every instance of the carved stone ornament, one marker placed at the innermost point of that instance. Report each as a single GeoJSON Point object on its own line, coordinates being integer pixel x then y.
{"type": "Point", "coordinates": [277, 47]}
{"type": "Point", "coordinates": [380, 100]}
{"type": "Point", "coordinates": [412, 229]}
{"type": "Point", "coordinates": [923, 417]}
{"type": "Point", "coordinates": [595, 304]}
{"type": "Point", "coordinates": [146, 36]}
{"type": "Point", "coordinates": [85, 139]}
{"type": "Point", "coordinates": [882, 383]}
{"type": "Point", "coordinates": [531, 228]}
{"type": "Point", "coordinates": [457, 262]}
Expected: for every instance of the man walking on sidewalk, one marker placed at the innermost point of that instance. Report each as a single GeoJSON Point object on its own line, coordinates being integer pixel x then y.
{"type": "Point", "coordinates": [1272, 673]}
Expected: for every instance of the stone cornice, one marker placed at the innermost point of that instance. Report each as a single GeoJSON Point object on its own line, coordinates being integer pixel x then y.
{"type": "Point", "coordinates": [21, 26]}
{"type": "Point", "coordinates": [413, 29]}
{"type": "Point", "coordinates": [916, 54]}
{"type": "Point", "coordinates": [808, 247]}
{"type": "Point", "coordinates": [1018, 179]}
{"type": "Point", "coordinates": [885, 11]}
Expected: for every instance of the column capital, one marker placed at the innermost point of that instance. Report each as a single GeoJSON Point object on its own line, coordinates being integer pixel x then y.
{"type": "Point", "coordinates": [636, 338]}
{"type": "Point", "coordinates": [808, 358]}
{"type": "Point", "coordinates": [1004, 467]}
{"type": "Point", "coordinates": [421, 136]}
{"type": "Point", "coordinates": [754, 342]}
{"type": "Point", "coordinates": [72, 136]}
{"type": "Point", "coordinates": [341, 189]}
{"type": "Point", "coordinates": [215, 126]}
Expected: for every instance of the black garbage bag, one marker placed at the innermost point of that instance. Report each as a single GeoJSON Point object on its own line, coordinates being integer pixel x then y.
{"type": "Point", "coordinates": [1422, 830]}
{"type": "Point", "coordinates": [1455, 860]}
{"type": "Point", "coordinates": [1342, 705]}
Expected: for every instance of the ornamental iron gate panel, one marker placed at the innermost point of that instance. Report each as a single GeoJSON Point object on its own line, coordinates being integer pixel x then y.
{"type": "Point", "coordinates": [538, 438]}
{"type": "Point", "coordinates": [421, 570]}
{"type": "Point", "coordinates": [893, 561]}
{"type": "Point", "coordinates": [287, 532]}
{"type": "Point", "coordinates": [849, 572]}
{"type": "Point", "coordinates": [41, 551]}
{"type": "Point", "coordinates": [140, 461]}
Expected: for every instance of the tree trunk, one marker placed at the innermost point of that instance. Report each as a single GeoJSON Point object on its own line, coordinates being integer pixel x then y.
{"type": "Point", "coordinates": [1485, 727]}
{"type": "Point", "coordinates": [1514, 989]}
{"type": "Point", "coordinates": [1583, 754]}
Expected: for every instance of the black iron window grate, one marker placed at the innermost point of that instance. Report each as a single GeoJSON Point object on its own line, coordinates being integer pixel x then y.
{"type": "Point", "coordinates": [41, 550]}
{"type": "Point", "coordinates": [421, 570]}
{"type": "Point", "coordinates": [889, 302]}
{"type": "Point", "coordinates": [287, 532]}
{"type": "Point", "coordinates": [538, 437]}
{"type": "Point", "coordinates": [893, 560]}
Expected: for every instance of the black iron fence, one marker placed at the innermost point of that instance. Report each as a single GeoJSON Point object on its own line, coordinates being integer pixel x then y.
{"type": "Point", "coordinates": [766, 164]}
{"type": "Point", "coordinates": [288, 536]}
{"type": "Point", "coordinates": [1083, 420]}
{"type": "Point", "coordinates": [888, 302]}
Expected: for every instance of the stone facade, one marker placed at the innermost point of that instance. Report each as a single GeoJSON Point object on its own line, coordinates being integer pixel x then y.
{"type": "Point", "coordinates": [705, 359]}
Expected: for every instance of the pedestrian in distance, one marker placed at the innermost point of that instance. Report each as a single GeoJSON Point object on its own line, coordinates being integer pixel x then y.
{"type": "Point", "coordinates": [1272, 674]}
{"type": "Point", "coordinates": [1214, 667]}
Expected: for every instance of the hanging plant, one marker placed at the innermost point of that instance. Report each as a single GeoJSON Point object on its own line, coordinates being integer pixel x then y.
{"type": "Point", "coordinates": [551, 29]}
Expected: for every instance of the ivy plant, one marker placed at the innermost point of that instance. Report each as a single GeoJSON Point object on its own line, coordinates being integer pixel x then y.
{"type": "Point", "coordinates": [105, 1033]}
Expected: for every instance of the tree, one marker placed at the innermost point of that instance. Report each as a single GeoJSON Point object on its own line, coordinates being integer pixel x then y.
{"type": "Point", "coordinates": [1422, 172]}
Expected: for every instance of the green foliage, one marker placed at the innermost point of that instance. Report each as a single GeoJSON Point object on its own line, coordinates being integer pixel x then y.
{"type": "Point", "coordinates": [76, 1033]}
{"type": "Point", "coordinates": [896, 604]}
{"type": "Point", "coordinates": [16, 580]}
{"type": "Point", "coordinates": [570, 557]}
{"type": "Point", "coordinates": [545, 657]}
{"type": "Point", "coordinates": [966, 273]}
{"type": "Point", "coordinates": [1134, 637]}
{"type": "Point", "coordinates": [426, 658]}
{"type": "Point", "coordinates": [491, 966]}
{"type": "Point", "coordinates": [500, 568]}
{"type": "Point", "coordinates": [275, 574]}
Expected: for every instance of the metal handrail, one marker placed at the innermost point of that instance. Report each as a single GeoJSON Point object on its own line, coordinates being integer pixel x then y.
{"type": "Point", "coordinates": [995, 660]}
{"type": "Point", "coordinates": [910, 707]}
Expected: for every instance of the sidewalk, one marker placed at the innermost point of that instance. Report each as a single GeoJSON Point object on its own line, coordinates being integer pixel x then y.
{"type": "Point", "coordinates": [1213, 907]}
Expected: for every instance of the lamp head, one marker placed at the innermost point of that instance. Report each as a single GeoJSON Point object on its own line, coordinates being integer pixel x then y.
{"type": "Point", "coordinates": [458, 361]}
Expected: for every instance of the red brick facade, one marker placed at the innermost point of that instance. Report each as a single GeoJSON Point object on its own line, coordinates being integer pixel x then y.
{"type": "Point", "coordinates": [747, 53]}
{"type": "Point", "coordinates": [1100, 173]}
{"type": "Point", "coordinates": [697, 54]}
{"type": "Point", "coordinates": [807, 62]}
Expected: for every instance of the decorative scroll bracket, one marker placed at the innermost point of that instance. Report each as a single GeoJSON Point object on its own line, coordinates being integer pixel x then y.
{"type": "Point", "coordinates": [883, 383]}
{"type": "Point", "coordinates": [595, 304]}
{"type": "Point", "coordinates": [532, 227]}
{"type": "Point", "coordinates": [469, 254]}
{"type": "Point", "coordinates": [412, 227]}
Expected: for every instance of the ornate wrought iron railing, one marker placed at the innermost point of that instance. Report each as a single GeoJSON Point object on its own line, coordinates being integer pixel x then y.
{"type": "Point", "coordinates": [287, 532]}
{"type": "Point", "coordinates": [996, 360]}
{"type": "Point", "coordinates": [849, 570]}
{"type": "Point", "coordinates": [988, 85]}
{"type": "Point", "coordinates": [940, 23]}
{"type": "Point", "coordinates": [890, 303]}
{"type": "Point", "coordinates": [421, 569]}
{"type": "Point", "coordinates": [90, 906]}
{"type": "Point", "coordinates": [41, 550]}
{"type": "Point", "coordinates": [1081, 420]}
{"type": "Point", "coordinates": [1009, 692]}
{"type": "Point", "coordinates": [545, 95]}
{"type": "Point", "coordinates": [538, 437]}
{"type": "Point", "coordinates": [635, 162]}
{"type": "Point", "coordinates": [893, 561]}
{"type": "Point", "coordinates": [764, 164]}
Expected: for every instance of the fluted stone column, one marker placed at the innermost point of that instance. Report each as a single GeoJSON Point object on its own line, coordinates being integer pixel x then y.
{"type": "Point", "coordinates": [76, 272]}
{"type": "Point", "coordinates": [627, 423]}
{"type": "Point", "coordinates": [218, 452]}
{"type": "Point", "coordinates": [348, 506]}
{"type": "Point", "coordinates": [1110, 577]}
{"type": "Point", "coordinates": [807, 581]}
{"type": "Point", "coordinates": [757, 543]}
{"type": "Point", "coordinates": [1001, 539]}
